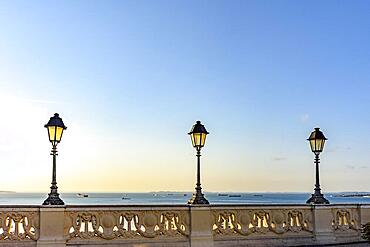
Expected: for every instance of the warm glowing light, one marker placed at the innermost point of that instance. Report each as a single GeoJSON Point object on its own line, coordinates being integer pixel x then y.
{"type": "Point", "coordinates": [55, 128]}
{"type": "Point", "coordinates": [55, 134]}
{"type": "Point", "coordinates": [198, 135]}
{"type": "Point", "coordinates": [317, 141]}
{"type": "Point", "coordinates": [198, 139]}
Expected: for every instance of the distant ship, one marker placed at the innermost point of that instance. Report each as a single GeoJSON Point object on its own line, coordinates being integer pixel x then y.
{"type": "Point", "coordinates": [82, 195]}
{"type": "Point", "coordinates": [223, 194]}
{"type": "Point", "coordinates": [235, 195]}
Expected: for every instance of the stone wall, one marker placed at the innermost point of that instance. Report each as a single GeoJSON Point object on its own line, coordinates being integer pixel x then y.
{"type": "Point", "coordinates": [182, 226]}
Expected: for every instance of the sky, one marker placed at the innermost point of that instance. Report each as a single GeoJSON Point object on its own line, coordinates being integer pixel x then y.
{"type": "Point", "coordinates": [130, 78]}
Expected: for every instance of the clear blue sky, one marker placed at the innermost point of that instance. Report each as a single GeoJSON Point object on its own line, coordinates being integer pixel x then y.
{"type": "Point", "coordinates": [129, 78]}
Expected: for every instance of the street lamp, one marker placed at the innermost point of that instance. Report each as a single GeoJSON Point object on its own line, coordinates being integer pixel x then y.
{"type": "Point", "coordinates": [55, 128]}
{"type": "Point", "coordinates": [198, 135]}
{"type": "Point", "coordinates": [317, 142]}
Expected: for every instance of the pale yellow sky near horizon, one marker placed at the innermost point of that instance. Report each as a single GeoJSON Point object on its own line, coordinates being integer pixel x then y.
{"type": "Point", "coordinates": [92, 161]}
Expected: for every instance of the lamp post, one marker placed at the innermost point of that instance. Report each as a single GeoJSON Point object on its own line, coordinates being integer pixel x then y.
{"type": "Point", "coordinates": [55, 128]}
{"type": "Point", "coordinates": [198, 135]}
{"type": "Point", "coordinates": [317, 141]}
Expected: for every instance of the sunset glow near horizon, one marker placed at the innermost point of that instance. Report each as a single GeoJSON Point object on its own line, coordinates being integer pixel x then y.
{"type": "Point", "coordinates": [130, 78]}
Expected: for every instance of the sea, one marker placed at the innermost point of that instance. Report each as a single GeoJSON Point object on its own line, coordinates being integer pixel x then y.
{"type": "Point", "coordinates": [180, 198]}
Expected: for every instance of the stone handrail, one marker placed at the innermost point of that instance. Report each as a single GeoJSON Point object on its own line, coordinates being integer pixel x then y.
{"type": "Point", "coordinates": [181, 225]}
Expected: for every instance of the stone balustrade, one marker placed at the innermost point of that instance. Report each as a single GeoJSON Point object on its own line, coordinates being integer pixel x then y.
{"type": "Point", "coordinates": [287, 225]}
{"type": "Point", "coordinates": [181, 225]}
{"type": "Point", "coordinates": [19, 224]}
{"type": "Point", "coordinates": [119, 225]}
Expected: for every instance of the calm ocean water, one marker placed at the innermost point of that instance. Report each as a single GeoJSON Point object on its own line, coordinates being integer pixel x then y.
{"type": "Point", "coordinates": [178, 198]}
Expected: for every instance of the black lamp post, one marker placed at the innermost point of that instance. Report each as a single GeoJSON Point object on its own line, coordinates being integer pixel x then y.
{"type": "Point", "coordinates": [198, 137]}
{"type": "Point", "coordinates": [317, 141]}
{"type": "Point", "coordinates": [55, 128]}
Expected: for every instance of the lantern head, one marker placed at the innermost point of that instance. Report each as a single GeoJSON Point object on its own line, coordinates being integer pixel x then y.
{"type": "Point", "coordinates": [317, 141]}
{"type": "Point", "coordinates": [55, 128]}
{"type": "Point", "coordinates": [198, 135]}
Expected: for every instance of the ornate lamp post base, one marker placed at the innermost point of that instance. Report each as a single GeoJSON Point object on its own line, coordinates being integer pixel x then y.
{"type": "Point", "coordinates": [317, 199]}
{"type": "Point", "coordinates": [198, 198]}
{"type": "Point", "coordinates": [53, 198]}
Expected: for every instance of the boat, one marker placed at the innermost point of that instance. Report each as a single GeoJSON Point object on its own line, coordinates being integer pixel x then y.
{"type": "Point", "coordinates": [235, 195]}
{"type": "Point", "coordinates": [223, 194]}
{"type": "Point", "coordinates": [82, 195]}
{"type": "Point", "coordinates": [125, 197]}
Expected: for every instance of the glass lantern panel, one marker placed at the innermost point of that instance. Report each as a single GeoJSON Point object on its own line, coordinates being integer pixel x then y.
{"type": "Point", "coordinates": [59, 133]}
{"type": "Point", "coordinates": [312, 145]}
{"type": "Point", "coordinates": [51, 130]}
{"type": "Point", "coordinates": [320, 144]}
{"type": "Point", "coordinates": [197, 139]}
{"type": "Point", "coordinates": [192, 140]}
{"type": "Point", "coordinates": [203, 139]}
